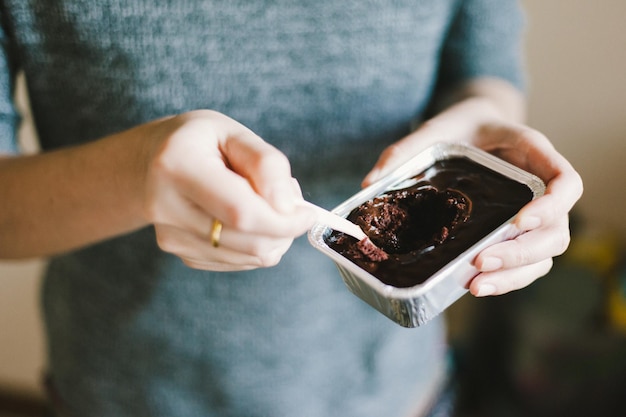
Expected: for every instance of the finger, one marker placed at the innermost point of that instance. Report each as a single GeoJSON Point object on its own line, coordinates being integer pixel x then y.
{"type": "Point", "coordinates": [533, 152]}
{"type": "Point", "coordinates": [504, 281]}
{"type": "Point", "coordinates": [562, 193]}
{"type": "Point", "coordinates": [399, 153]}
{"type": "Point", "coordinates": [215, 266]}
{"type": "Point", "coordinates": [296, 189]}
{"type": "Point", "coordinates": [175, 210]}
{"type": "Point", "coordinates": [267, 169]}
{"type": "Point", "coordinates": [230, 197]}
{"type": "Point", "coordinates": [182, 213]}
{"type": "Point", "coordinates": [519, 145]}
{"type": "Point", "coordinates": [263, 253]}
{"type": "Point", "coordinates": [456, 123]}
{"type": "Point", "coordinates": [272, 259]}
{"type": "Point", "coordinates": [257, 246]}
{"type": "Point", "coordinates": [206, 180]}
{"type": "Point", "coordinates": [261, 164]}
{"type": "Point", "coordinates": [526, 249]}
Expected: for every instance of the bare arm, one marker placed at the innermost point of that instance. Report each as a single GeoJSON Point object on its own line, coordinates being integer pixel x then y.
{"type": "Point", "coordinates": [178, 173]}
{"type": "Point", "coordinates": [60, 200]}
{"type": "Point", "coordinates": [487, 113]}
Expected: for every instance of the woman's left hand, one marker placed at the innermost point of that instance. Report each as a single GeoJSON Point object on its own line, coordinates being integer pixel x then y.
{"type": "Point", "coordinates": [543, 223]}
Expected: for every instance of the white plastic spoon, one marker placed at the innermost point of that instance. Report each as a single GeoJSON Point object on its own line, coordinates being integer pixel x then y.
{"type": "Point", "coordinates": [337, 222]}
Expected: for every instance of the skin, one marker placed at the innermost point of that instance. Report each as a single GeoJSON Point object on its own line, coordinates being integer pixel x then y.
{"type": "Point", "coordinates": [488, 113]}
{"type": "Point", "coordinates": [178, 173]}
{"type": "Point", "coordinates": [182, 172]}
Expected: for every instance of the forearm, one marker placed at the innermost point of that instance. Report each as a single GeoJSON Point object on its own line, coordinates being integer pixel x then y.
{"type": "Point", "coordinates": [61, 200]}
{"type": "Point", "coordinates": [503, 99]}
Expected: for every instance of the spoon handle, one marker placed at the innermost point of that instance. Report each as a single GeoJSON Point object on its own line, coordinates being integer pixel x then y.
{"type": "Point", "coordinates": [337, 222]}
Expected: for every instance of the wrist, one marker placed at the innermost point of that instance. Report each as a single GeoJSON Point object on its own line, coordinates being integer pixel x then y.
{"type": "Point", "coordinates": [492, 97]}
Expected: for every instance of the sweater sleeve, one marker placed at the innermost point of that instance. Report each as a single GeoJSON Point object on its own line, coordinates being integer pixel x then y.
{"type": "Point", "coordinates": [484, 40]}
{"type": "Point", "coordinates": [9, 116]}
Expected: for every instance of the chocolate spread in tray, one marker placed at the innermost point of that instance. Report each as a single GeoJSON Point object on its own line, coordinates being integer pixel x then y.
{"type": "Point", "coordinates": [443, 212]}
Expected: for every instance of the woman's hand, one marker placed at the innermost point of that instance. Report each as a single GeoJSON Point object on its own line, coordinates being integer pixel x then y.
{"type": "Point", "coordinates": [203, 166]}
{"type": "Point", "coordinates": [179, 173]}
{"type": "Point", "coordinates": [543, 223]}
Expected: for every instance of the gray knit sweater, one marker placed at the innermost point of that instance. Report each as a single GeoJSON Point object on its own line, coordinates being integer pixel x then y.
{"type": "Point", "coordinates": [132, 331]}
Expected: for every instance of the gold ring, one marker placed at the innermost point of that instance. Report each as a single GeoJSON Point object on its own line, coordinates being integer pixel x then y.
{"type": "Point", "coordinates": [216, 231]}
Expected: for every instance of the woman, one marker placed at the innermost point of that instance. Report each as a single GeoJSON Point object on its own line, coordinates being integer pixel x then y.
{"type": "Point", "coordinates": [177, 283]}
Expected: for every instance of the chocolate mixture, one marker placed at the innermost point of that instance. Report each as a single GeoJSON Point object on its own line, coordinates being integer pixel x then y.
{"type": "Point", "coordinates": [419, 229]}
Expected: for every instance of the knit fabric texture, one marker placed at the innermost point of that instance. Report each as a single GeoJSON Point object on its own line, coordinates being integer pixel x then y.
{"type": "Point", "coordinates": [131, 331]}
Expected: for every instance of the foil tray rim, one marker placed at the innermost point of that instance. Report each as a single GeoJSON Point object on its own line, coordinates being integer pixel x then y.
{"type": "Point", "coordinates": [459, 265]}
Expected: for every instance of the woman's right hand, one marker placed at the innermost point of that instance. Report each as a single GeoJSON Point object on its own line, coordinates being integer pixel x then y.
{"type": "Point", "coordinates": [201, 167]}
{"type": "Point", "coordinates": [179, 173]}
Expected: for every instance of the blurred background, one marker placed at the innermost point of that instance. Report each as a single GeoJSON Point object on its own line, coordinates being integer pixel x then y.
{"type": "Point", "coordinates": [557, 348]}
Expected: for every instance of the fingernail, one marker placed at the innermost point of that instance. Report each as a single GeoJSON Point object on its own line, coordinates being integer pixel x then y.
{"type": "Point", "coordinates": [529, 223]}
{"type": "Point", "coordinates": [485, 290]}
{"type": "Point", "coordinates": [491, 263]}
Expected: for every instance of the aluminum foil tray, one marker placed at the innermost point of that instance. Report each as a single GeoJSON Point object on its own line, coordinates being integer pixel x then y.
{"type": "Point", "coordinates": [414, 306]}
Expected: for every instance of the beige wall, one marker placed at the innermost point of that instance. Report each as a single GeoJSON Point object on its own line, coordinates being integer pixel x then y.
{"type": "Point", "coordinates": [21, 340]}
{"type": "Point", "coordinates": [577, 58]}
{"type": "Point", "coordinates": [22, 356]}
